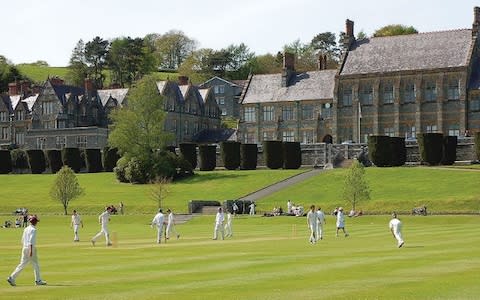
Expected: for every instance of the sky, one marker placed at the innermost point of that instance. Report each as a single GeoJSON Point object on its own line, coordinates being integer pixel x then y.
{"type": "Point", "coordinates": [49, 29]}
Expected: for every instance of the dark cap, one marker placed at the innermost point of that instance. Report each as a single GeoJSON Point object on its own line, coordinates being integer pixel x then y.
{"type": "Point", "coordinates": [33, 219]}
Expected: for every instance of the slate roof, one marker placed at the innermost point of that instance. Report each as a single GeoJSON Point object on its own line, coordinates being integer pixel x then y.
{"type": "Point", "coordinates": [312, 85]}
{"type": "Point", "coordinates": [30, 101]}
{"type": "Point", "coordinates": [239, 83]}
{"type": "Point", "coordinates": [215, 135]}
{"type": "Point", "coordinates": [117, 94]}
{"type": "Point", "coordinates": [422, 51]}
{"type": "Point", "coordinates": [62, 91]}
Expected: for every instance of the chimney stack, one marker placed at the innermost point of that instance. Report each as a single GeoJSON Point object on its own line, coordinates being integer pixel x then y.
{"type": "Point", "coordinates": [13, 88]}
{"type": "Point", "coordinates": [25, 87]}
{"type": "Point", "coordinates": [88, 85]}
{"type": "Point", "coordinates": [288, 68]}
{"type": "Point", "coordinates": [349, 28]}
{"type": "Point", "coordinates": [56, 80]}
{"type": "Point", "coordinates": [182, 80]}
{"type": "Point", "coordinates": [476, 21]}
{"type": "Point", "coordinates": [322, 62]}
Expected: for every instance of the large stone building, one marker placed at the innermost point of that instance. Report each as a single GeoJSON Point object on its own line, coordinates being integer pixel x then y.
{"type": "Point", "coordinates": [397, 85]}
{"type": "Point", "coordinates": [227, 94]}
{"type": "Point", "coordinates": [61, 116]}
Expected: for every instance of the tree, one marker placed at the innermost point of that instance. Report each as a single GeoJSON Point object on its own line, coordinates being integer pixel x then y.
{"type": "Point", "coordinates": [95, 55]}
{"type": "Point", "coordinates": [138, 127]}
{"type": "Point", "coordinates": [172, 48]}
{"type": "Point", "coordinates": [8, 73]}
{"type": "Point", "coordinates": [356, 188]}
{"type": "Point", "coordinates": [326, 43]}
{"type": "Point", "coordinates": [306, 56]}
{"type": "Point", "coordinates": [394, 29]}
{"type": "Point", "coordinates": [160, 190]}
{"type": "Point", "coordinates": [266, 64]}
{"type": "Point", "coordinates": [77, 68]}
{"type": "Point", "coordinates": [65, 188]}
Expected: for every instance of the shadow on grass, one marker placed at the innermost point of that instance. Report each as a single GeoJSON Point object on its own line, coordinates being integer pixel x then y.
{"type": "Point", "coordinates": [208, 177]}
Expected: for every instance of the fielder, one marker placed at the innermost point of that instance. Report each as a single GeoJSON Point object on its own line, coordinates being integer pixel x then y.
{"type": "Point", "coordinates": [341, 222]}
{"type": "Point", "coordinates": [219, 218]}
{"type": "Point", "coordinates": [171, 225]}
{"type": "Point", "coordinates": [320, 221]}
{"type": "Point", "coordinates": [158, 221]}
{"type": "Point", "coordinates": [395, 226]}
{"type": "Point", "coordinates": [312, 219]}
{"type": "Point", "coordinates": [228, 225]}
{"type": "Point", "coordinates": [103, 219]}
{"type": "Point", "coordinates": [75, 224]}
{"type": "Point", "coordinates": [29, 253]}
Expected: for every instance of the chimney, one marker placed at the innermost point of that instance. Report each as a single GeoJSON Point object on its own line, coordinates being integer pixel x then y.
{"type": "Point", "coordinates": [56, 80]}
{"type": "Point", "coordinates": [25, 87]}
{"type": "Point", "coordinates": [288, 68]}
{"type": "Point", "coordinates": [476, 21]}
{"type": "Point", "coordinates": [88, 85]}
{"type": "Point", "coordinates": [322, 62]}
{"type": "Point", "coordinates": [349, 34]}
{"type": "Point", "coordinates": [182, 80]}
{"type": "Point", "coordinates": [115, 85]}
{"type": "Point", "coordinates": [13, 88]}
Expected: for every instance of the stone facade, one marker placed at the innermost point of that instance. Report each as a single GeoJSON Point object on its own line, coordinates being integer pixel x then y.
{"type": "Point", "coordinates": [227, 95]}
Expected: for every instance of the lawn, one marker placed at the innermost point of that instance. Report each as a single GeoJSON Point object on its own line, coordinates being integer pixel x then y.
{"type": "Point", "coordinates": [267, 258]}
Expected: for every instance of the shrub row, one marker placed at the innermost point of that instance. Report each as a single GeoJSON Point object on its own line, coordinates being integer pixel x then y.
{"type": "Point", "coordinates": [278, 154]}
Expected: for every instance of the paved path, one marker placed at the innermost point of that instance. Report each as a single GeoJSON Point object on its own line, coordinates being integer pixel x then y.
{"type": "Point", "coordinates": [281, 185]}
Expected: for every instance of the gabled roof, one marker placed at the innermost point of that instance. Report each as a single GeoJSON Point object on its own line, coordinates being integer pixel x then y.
{"type": "Point", "coordinates": [312, 85]}
{"type": "Point", "coordinates": [204, 94]}
{"type": "Point", "coordinates": [62, 92]}
{"type": "Point", "coordinates": [118, 94]}
{"type": "Point", "coordinates": [233, 82]}
{"type": "Point", "coordinates": [15, 99]}
{"type": "Point", "coordinates": [30, 101]}
{"type": "Point", "coordinates": [422, 51]}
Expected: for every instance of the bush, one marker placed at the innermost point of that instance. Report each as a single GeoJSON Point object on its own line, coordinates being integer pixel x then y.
{"type": "Point", "coordinates": [184, 168]}
{"type": "Point", "coordinates": [230, 152]}
{"type": "Point", "coordinates": [477, 144]}
{"type": "Point", "coordinates": [273, 154]}
{"type": "Point", "coordinates": [110, 158]}
{"type": "Point", "coordinates": [36, 160]}
{"type": "Point", "coordinates": [449, 150]}
{"type": "Point", "coordinates": [5, 162]}
{"type": "Point", "coordinates": [248, 156]}
{"type": "Point", "coordinates": [379, 150]}
{"type": "Point", "coordinates": [54, 160]}
{"type": "Point", "coordinates": [71, 157]}
{"type": "Point", "coordinates": [119, 169]}
{"type": "Point", "coordinates": [171, 149]}
{"type": "Point", "coordinates": [292, 155]}
{"type": "Point", "coordinates": [136, 171]}
{"type": "Point", "coordinates": [93, 158]}
{"type": "Point", "coordinates": [189, 152]}
{"type": "Point", "coordinates": [208, 157]}
{"type": "Point", "coordinates": [430, 146]}
{"type": "Point", "coordinates": [398, 154]}
{"type": "Point", "coordinates": [19, 159]}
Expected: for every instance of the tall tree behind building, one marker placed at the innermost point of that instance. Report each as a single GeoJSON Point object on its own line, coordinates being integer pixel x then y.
{"type": "Point", "coordinates": [95, 56]}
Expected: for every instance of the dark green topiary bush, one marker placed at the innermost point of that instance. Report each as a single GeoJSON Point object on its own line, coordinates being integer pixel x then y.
{"type": "Point", "coordinates": [189, 152]}
{"type": "Point", "coordinates": [230, 151]}
{"type": "Point", "coordinates": [273, 154]}
{"type": "Point", "coordinates": [292, 155]}
{"type": "Point", "coordinates": [54, 160]}
{"type": "Point", "coordinates": [136, 171]}
{"type": "Point", "coordinates": [208, 157]}
{"type": "Point", "coordinates": [248, 156]}
{"type": "Point", "coordinates": [430, 146]}
{"type": "Point", "coordinates": [71, 157]}
{"type": "Point", "coordinates": [449, 150]}
{"type": "Point", "coordinates": [19, 159]}
{"type": "Point", "coordinates": [477, 144]}
{"type": "Point", "coordinates": [83, 159]}
{"type": "Point", "coordinates": [93, 159]}
{"type": "Point", "coordinates": [36, 160]}
{"type": "Point", "coordinates": [119, 169]}
{"type": "Point", "coordinates": [5, 162]}
{"type": "Point", "coordinates": [379, 150]}
{"type": "Point", "coordinates": [398, 151]}
{"type": "Point", "coordinates": [110, 157]}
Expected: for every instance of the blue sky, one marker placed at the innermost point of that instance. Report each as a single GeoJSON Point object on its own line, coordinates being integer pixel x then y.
{"type": "Point", "coordinates": [49, 29]}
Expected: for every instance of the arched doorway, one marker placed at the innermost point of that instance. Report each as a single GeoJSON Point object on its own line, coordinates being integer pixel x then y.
{"type": "Point", "coordinates": [328, 139]}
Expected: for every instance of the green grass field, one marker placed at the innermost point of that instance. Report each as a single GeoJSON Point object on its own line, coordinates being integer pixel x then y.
{"type": "Point", "coordinates": [267, 258]}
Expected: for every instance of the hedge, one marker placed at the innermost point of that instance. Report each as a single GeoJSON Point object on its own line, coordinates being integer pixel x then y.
{"type": "Point", "coordinates": [208, 157]}
{"type": "Point", "coordinates": [477, 144]}
{"type": "Point", "coordinates": [5, 162]}
{"type": "Point", "coordinates": [93, 159]}
{"type": "Point", "coordinates": [36, 160]}
{"type": "Point", "coordinates": [292, 155]}
{"type": "Point", "coordinates": [19, 159]}
{"type": "Point", "coordinates": [430, 146]}
{"type": "Point", "coordinates": [398, 154]}
{"type": "Point", "coordinates": [230, 151]}
{"type": "Point", "coordinates": [109, 158]}
{"type": "Point", "coordinates": [273, 154]}
{"type": "Point", "coordinates": [54, 160]}
{"type": "Point", "coordinates": [189, 152]}
{"type": "Point", "coordinates": [449, 150]}
{"type": "Point", "coordinates": [379, 147]}
{"type": "Point", "coordinates": [71, 157]}
{"type": "Point", "coordinates": [248, 156]}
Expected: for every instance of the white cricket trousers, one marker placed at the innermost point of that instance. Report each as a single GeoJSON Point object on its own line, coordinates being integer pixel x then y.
{"type": "Point", "coordinates": [159, 234]}
{"type": "Point", "coordinates": [105, 232]}
{"type": "Point", "coordinates": [218, 228]}
{"type": "Point", "coordinates": [25, 260]}
{"type": "Point", "coordinates": [319, 231]}
{"type": "Point", "coordinates": [75, 232]}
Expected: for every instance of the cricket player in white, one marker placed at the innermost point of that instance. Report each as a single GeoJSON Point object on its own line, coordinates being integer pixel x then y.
{"type": "Point", "coordinates": [320, 221]}
{"type": "Point", "coordinates": [219, 218]}
{"type": "Point", "coordinates": [75, 224]}
{"type": "Point", "coordinates": [103, 219]}
{"type": "Point", "coordinates": [252, 209]}
{"type": "Point", "coordinates": [395, 226]}
{"type": "Point", "coordinates": [341, 222]}
{"type": "Point", "coordinates": [171, 225]}
{"type": "Point", "coordinates": [228, 225]}
{"type": "Point", "coordinates": [158, 222]}
{"type": "Point", "coordinates": [312, 219]}
{"type": "Point", "coordinates": [29, 253]}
